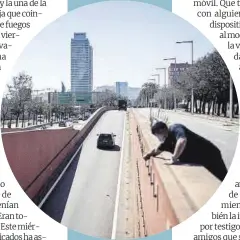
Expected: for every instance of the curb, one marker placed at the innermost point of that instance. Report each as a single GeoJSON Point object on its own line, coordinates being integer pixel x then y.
{"type": "Point", "coordinates": [208, 117]}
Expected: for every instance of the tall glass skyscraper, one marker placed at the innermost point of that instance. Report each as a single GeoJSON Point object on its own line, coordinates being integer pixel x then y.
{"type": "Point", "coordinates": [122, 89]}
{"type": "Point", "coordinates": [81, 64]}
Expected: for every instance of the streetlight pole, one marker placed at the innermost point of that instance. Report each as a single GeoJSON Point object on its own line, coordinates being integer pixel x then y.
{"type": "Point", "coordinates": [174, 93]}
{"type": "Point", "coordinates": [151, 94]}
{"type": "Point", "coordinates": [158, 95]}
{"type": "Point", "coordinates": [165, 86]}
{"type": "Point", "coordinates": [157, 75]}
{"type": "Point", "coordinates": [175, 76]}
{"type": "Point", "coordinates": [192, 95]}
{"type": "Point", "coordinates": [231, 99]}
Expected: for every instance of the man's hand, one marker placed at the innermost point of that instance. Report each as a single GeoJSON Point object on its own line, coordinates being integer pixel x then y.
{"type": "Point", "coordinates": [173, 159]}
{"type": "Point", "coordinates": [147, 156]}
{"type": "Point", "coordinates": [153, 153]}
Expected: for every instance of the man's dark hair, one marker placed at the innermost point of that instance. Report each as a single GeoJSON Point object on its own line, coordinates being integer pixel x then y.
{"type": "Point", "coordinates": [158, 126]}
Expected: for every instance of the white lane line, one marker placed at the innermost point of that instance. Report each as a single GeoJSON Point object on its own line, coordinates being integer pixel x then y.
{"type": "Point", "coordinates": [59, 178]}
{"type": "Point", "coordinates": [114, 229]}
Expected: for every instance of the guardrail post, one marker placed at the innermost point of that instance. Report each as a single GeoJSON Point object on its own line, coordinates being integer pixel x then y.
{"type": "Point", "coordinates": [152, 179]}
{"type": "Point", "coordinates": [149, 170]}
{"type": "Point", "coordinates": [157, 198]}
{"type": "Point", "coordinates": [146, 163]}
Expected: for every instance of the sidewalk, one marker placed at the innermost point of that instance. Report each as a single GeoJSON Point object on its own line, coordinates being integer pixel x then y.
{"type": "Point", "coordinates": [182, 182]}
{"type": "Point", "coordinates": [227, 121]}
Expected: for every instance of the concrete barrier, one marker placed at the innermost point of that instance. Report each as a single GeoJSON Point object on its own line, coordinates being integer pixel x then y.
{"type": "Point", "coordinates": [170, 192]}
{"type": "Point", "coordinates": [37, 157]}
{"type": "Point", "coordinates": [158, 214]}
{"type": "Point", "coordinates": [8, 130]}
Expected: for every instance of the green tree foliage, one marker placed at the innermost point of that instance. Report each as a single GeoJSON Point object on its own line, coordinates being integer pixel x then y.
{"type": "Point", "coordinates": [20, 94]}
{"type": "Point", "coordinates": [210, 79]}
{"type": "Point", "coordinates": [148, 91]}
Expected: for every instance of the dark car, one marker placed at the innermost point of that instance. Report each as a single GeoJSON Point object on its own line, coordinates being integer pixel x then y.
{"type": "Point", "coordinates": [106, 140]}
{"type": "Point", "coordinates": [62, 124]}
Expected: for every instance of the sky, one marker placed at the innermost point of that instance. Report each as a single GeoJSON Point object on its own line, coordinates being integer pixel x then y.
{"type": "Point", "coordinates": [129, 41]}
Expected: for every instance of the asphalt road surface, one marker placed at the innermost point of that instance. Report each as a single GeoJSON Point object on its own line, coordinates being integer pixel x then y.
{"type": "Point", "coordinates": [224, 137]}
{"type": "Point", "coordinates": [91, 202]}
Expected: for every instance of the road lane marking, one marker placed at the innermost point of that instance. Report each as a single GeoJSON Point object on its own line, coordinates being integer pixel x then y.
{"type": "Point", "coordinates": [115, 217]}
{"type": "Point", "coordinates": [59, 178]}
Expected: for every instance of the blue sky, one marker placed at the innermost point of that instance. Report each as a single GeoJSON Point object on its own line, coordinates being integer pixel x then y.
{"type": "Point", "coordinates": [129, 41]}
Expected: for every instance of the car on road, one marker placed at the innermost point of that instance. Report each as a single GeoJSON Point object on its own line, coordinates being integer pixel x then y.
{"type": "Point", "coordinates": [106, 140]}
{"type": "Point", "coordinates": [62, 124]}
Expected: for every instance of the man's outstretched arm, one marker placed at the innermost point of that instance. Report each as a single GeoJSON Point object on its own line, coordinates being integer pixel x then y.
{"type": "Point", "coordinates": [153, 153]}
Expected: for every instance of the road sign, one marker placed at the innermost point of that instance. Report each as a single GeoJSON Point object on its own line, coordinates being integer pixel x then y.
{"type": "Point", "coordinates": [83, 97]}
{"type": "Point", "coordinates": [72, 98]}
{"type": "Point", "coordinates": [65, 98]}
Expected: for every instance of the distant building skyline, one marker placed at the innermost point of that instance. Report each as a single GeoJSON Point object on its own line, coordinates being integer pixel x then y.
{"type": "Point", "coordinates": [104, 88]}
{"type": "Point", "coordinates": [81, 63]}
{"type": "Point", "coordinates": [129, 39]}
{"type": "Point", "coordinates": [47, 96]}
{"type": "Point", "coordinates": [133, 92]}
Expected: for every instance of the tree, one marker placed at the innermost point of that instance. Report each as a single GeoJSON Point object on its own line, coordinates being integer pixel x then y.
{"type": "Point", "coordinates": [210, 78]}
{"type": "Point", "coordinates": [147, 92]}
{"type": "Point", "coordinates": [29, 109]}
{"type": "Point", "coordinates": [56, 110]}
{"type": "Point", "coordinates": [5, 109]}
{"type": "Point", "coordinates": [20, 94]}
{"type": "Point", "coordinates": [106, 98]}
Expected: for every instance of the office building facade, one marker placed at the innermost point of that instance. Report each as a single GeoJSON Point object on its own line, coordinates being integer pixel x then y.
{"type": "Point", "coordinates": [81, 64]}
{"type": "Point", "coordinates": [180, 67]}
{"type": "Point", "coordinates": [122, 89]}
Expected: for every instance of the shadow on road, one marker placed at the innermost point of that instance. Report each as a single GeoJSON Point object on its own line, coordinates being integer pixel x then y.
{"type": "Point", "coordinates": [55, 205]}
{"type": "Point", "coordinates": [115, 149]}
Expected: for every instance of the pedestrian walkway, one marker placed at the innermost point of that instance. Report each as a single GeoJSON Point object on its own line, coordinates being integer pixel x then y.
{"type": "Point", "coordinates": [227, 121]}
{"type": "Point", "coordinates": [182, 182]}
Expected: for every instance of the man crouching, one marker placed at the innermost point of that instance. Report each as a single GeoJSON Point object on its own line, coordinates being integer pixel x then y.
{"type": "Point", "coordinates": [187, 147]}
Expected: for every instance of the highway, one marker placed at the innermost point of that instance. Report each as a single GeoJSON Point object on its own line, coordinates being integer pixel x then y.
{"type": "Point", "coordinates": [224, 137]}
{"type": "Point", "coordinates": [90, 206]}
{"type": "Point", "coordinates": [87, 198]}
{"type": "Point", "coordinates": [77, 126]}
